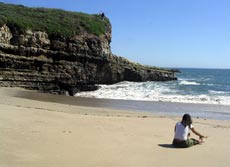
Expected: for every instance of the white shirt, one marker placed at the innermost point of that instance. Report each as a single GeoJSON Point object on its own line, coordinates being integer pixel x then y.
{"type": "Point", "coordinates": [181, 132]}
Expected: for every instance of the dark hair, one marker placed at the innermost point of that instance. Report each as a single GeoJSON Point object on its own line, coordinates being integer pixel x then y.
{"type": "Point", "coordinates": [187, 120]}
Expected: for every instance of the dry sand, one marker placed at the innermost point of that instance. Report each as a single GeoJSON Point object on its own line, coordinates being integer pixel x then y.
{"type": "Point", "coordinates": [45, 134]}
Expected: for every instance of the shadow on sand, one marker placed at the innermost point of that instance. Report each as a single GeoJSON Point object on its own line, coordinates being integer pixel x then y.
{"type": "Point", "coordinates": [166, 145]}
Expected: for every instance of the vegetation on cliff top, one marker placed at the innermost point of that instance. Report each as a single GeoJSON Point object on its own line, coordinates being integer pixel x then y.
{"type": "Point", "coordinates": [55, 22]}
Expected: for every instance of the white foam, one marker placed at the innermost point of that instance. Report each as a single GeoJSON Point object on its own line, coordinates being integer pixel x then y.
{"type": "Point", "coordinates": [183, 82]}
{"type": "Point", "coordinates": [153, 91]}
{"type": "Point", "coordinates": [217, 92]}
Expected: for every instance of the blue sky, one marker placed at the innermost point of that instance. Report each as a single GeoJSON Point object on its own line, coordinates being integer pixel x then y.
{"type": "Point", "coordinates": [165, 33]}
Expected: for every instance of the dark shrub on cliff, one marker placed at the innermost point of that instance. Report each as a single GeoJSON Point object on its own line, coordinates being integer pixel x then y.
{"type": "Point", "coordinates": [55, 22]}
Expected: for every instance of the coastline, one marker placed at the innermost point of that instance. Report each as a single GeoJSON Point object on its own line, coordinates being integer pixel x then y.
{"type": "Point", "coordinates": [203, 111]}
{"type": "Point", "coordinates": [42, 133]}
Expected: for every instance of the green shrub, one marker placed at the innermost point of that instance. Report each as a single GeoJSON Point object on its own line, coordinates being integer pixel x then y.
{"type": "Point", "coordinates": [55, 22]}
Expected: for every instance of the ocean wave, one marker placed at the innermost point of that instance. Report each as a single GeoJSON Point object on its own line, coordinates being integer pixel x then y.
{"type": "Point", "coordinates": [217, 92]}
{"type": "Point", "coordinates": [152, 91]}
{"type": "Point", "coordinates": [183, 82]}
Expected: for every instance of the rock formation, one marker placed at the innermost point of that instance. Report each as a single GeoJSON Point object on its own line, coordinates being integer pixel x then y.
{"type": "Point", "coordinates": [34, 60]}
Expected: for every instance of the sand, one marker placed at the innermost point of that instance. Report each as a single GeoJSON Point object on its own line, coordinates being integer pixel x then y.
{"type": "Point", "coordinates": [46, 134]}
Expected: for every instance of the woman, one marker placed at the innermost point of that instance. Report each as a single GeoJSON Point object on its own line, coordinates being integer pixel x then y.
{"type": "Point", "coordinates": [181, 137]}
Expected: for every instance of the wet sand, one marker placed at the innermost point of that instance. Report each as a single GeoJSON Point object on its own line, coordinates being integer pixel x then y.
{"type": "Point", "coordinates": [43, 134]}
{"type": "Point", "coordinates": [205, 111]}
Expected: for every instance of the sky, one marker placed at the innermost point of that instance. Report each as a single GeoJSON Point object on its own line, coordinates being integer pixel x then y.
{"type": "Point", "coordinates": [164, 33]}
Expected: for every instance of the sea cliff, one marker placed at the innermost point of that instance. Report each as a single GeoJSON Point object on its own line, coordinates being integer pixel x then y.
{"type": "Point", "coordinates": [58, 51]}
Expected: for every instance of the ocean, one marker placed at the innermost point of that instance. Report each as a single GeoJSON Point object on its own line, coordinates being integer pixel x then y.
{"type": "Point", "coordinates": [207, 89]}
{"type": "Point", "coordinates": [205, 86]}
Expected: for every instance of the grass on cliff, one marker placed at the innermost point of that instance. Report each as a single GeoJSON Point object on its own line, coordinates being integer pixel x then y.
{"type": "Point", "coordinates": [55, 22]}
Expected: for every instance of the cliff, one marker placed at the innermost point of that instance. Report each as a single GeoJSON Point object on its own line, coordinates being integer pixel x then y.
{"type": "Point", "coordinates": [58, 51]}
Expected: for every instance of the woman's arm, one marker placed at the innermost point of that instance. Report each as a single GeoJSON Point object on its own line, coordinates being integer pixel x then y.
{"type": "Point", "coordinates": [198, 134]}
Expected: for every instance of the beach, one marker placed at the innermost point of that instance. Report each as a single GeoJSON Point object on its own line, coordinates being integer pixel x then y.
{"type": "Point", "coordinates": [43, 134]}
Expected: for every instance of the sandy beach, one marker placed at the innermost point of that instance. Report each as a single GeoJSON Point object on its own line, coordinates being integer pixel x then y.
{"type": "Point", "coordinates": [47, 134]}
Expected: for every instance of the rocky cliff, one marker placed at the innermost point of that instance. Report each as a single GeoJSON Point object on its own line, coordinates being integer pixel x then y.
{"type": "Point", "coordinates": [34, 58]}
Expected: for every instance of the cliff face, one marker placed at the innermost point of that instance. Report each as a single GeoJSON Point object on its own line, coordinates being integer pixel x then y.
{"type": "Point", "coordinates": [34, 60]}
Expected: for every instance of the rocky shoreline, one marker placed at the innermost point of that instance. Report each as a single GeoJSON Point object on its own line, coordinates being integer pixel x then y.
{"type": "Point", "coordinates": [35, 60]}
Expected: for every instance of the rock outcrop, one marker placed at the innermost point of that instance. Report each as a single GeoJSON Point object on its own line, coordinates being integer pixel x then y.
{"type": "Point", "coordinates": [34, 60]}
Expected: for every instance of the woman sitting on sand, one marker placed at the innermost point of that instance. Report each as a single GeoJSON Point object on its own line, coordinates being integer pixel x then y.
{"type": "Point", "coordinates": [181, 137]}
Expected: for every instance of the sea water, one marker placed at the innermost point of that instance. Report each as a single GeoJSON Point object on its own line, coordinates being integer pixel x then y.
{"type": "Point", "coordinates": [210, 87]}
{"type": "Point", "coordinates": [206, 86]}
